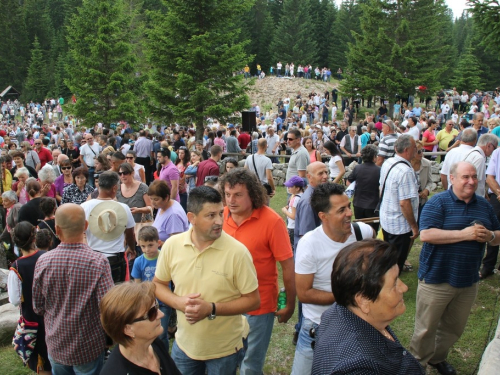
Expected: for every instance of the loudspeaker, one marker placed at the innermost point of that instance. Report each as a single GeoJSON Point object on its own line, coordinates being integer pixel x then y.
{"type": "Point", "coordinates": [248, 121]}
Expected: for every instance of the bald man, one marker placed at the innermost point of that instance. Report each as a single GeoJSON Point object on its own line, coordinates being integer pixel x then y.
{"type": "Point", "coordinates": [74, 336]}
{"type": "Point", "coordinates": [57, 163]}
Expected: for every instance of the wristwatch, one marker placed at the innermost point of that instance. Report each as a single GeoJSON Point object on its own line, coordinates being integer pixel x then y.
{"type": "Point", "coordinates": [212, 316]}
{"type": "Point", "coordinates": [492, 237]}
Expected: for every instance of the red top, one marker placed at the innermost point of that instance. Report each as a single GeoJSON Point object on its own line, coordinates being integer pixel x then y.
{"type": "Point", "coordinates": [271, 245]}
{"type": "Point", "coordinates": [206, 168]}
{"type": "Point", "coordinates": [243, 140]}
{"type": "Point", "coordinates": [45, 156]}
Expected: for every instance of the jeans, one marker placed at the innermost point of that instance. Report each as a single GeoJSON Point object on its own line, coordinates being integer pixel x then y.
{"type": "Point", "coordinates": [490, 259]}
{"type": "Point", "coordinates": [302, 363]}
{"type": "Point", "coordinates": [184, 199]}
{"type": "Point", "coordinates": [91, 176]}
{"type": "Point", "coordinates": [300, 318]}
{"type": "Point", "coordinates": [90, 368]}
{"type": "Point", "coordinates": [217, 366]}
{"type": "Point", "coordinates": [167, 311]}
{"type": "Point", "coordinates": [261, 328]}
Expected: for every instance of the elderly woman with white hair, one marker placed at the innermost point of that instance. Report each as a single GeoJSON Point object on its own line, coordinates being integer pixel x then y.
{"type": "Point", "coordinates": [19, 187]}
{"type": "Point", "coordinates": [11, 205]}
{"type": "Point", "coordinates": [47, 176]}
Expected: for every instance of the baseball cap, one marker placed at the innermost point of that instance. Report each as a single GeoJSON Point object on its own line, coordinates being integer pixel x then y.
{"type": "Point", "coordinates": [294, 181]}
{"type": "Point", "coordinates": [230, 126]}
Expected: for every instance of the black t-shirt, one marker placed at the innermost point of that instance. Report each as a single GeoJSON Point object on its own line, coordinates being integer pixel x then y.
{"type": "Point", "coordinates": [341, 134]}
{"type": "Point", "coordinates": [31, 212]}
{"type": "Point", "coordinates": [117, 364]}
{"type": "Point", "coordinates": [382, 111]}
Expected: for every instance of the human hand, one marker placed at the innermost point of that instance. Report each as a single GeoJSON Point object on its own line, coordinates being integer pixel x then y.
{"type": "Point", "coordinates": [131, 254]}
{"type": "Point", "coordinates": [285, 314]}
{"type": "Point", "coordinates": [134, 210]}
{"type": "Point", "coordinates": [414, 230]}
{"type": "Point", "coordinates": [477, 232]}
{"type": "Point", "coordinates": [196, 308]}
{"type": "Point", "coordinates": [272, 194]}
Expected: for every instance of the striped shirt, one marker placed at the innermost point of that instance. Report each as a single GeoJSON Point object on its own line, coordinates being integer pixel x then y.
{"type": "Point", "coordinates": [386, 146]}
{"type": "Point", "coordinates": [456, 263]}
{"type": "Point", "coordinates": [68, 286]}
{"type": "Point", "coordinates": [401, 184]}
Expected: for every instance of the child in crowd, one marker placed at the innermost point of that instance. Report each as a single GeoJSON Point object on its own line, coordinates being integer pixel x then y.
{"type": "Point", "coordinates": [295, 187]}
{"type": "Point", "coordinates": [145, 267]}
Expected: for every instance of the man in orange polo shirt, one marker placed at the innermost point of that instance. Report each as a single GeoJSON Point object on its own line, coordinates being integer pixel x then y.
{"type": "Point", "coordinates": [264, 233]}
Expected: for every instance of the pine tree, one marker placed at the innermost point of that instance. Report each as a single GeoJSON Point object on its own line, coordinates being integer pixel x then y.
{"type": "Point", "coordinates": [14, 46]}
{"type": "Point", "coordinates": [487, 16]}
{"type": "Point", "coordinates": [37, 81]}
{"type": "Point", "coordinates": [347, 20]}
{"type": "Point", "coordinates": [194, 51]}
{"type": "Point", "coordinates": [258, 27]}
{"type": "Point", "coordinates": [292, 41]}
{"type": "Point", "coordinates": [102, 68]}
{"type": "Point", "coordinates": [468, 72]}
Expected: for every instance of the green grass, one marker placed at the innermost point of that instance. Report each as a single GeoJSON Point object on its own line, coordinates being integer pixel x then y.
{"type": "Point", "coordinates": [464, 356]}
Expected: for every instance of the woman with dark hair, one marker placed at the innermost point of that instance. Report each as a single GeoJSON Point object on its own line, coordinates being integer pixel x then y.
{"type": "Point", "coordinates": [63, 146]}
{"type": "Point", "coordinates": [210, 140]}
{"type": "Point", "coordinates": [183, 161]}
{"type": "Point", "coordinates": [354, 335]}
{"type": "Point", "coordinates": [219, 141]}
{"type": "Point", "coordinates": [335, 163]}
{"type": "Point", "coordinates": [79, 191]}
{"type": "Point", "coordinates": [230, 164]}
{"type": "Point", "coordinates": [65, 179]}
{"type": "Point", "coordinates": [31, 211]}
{"type": "Point", "coordinates": [130, 315]}
{"type": "Point", "coordinates": [20, 285]}
{"type": "Point", "coordinates": [48, 207]}
{"type": "Point", "coordinates": [314, 155]}
{"type": "Point", "coordinates": [366, 192]}
{"type": "Point", "coordinates": [192, 169]}
{"type": "Point", "coordinates": [139, 170]}
{"type": "Point", "coordinates": [171, 217]}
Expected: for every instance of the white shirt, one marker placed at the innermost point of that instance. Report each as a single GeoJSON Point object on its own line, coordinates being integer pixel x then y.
{"type": "Point", "coordinates": [414, 132]}
{"type": "Point", "coordinates": [89, 153]}
{"type": "Point", "coordinates": [477, 158]}
{"type": "Point", "coordinates": [108, 248]}
{"type": "Point", "coordinates": [445, 108]}
{"type": "Point", "coordinates": [315, 255]}
{"type": "Point", "coordinates": [454, 156]}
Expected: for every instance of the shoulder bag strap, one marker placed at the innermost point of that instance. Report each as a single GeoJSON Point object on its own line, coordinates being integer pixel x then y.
{"type": "Point", "coordinates": [385, 180]}
{"type": "Point", "coordinates": [49, 228]}
{"type": "Point", "coordinates": [471, 153]}
{"type": "Point", "coordinates": [254, 166]}
{"type": "Point", "coordinates": [357, 231]}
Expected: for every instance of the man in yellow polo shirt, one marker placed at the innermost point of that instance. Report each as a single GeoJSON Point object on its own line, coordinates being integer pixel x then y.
{"type": "Point", "coordinates": [215, 282]}
{"type": "Point", "coordinates": [445, 136]}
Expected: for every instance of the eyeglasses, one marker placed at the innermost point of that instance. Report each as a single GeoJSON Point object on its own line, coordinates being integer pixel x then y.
{"type": "Point", "coordinates": [150, 315]}
{"type": "Point", "coordinates": [65, 168]}
{"type": "Point", "coordinates": [291, 139]}
{"type": "Point", "coordinates": [37, 143]}
{"type": "Point", "coordinates": [123, 173]}
{"type": "Point", "coordinates": [212, 178]}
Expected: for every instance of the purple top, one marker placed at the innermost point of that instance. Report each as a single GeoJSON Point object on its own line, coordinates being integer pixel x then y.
{"type": "Point", "coordinates": [168, 174]}
{"type": "Point", "coordinates": [60, 185]}
{"type": "Point", "coordinates": [173, 220]}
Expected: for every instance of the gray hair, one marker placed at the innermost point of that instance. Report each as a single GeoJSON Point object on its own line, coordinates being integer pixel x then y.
{"type": "Point", "coordinates": [255, 135]}
{"type": "Point", "coordinates": [21, 171]}
{"type": "Point", "coordinates": [390, 124]}
{"type": "Point", "coordinates": [47, 174]}
{"type": "Point", "coordinates": [454, 167]}
{"type": "Point", "coordinates": [487, 139]}
{"type": "Point", "coordinates": [368, 153]}
{"type": "Point", "coordinates": [475, 116]}
{"type": "Point", "coordinates": [108, 180]}
{"type": "Point", "coordinates": [364, 128]}
{"type": "Point", "coordinates": [402, 143]}
{"type": "Point", "coordinates": [10, 195]}
{"type": "Point", "coordinates": [353, 127]}
{"type": "Point", "coordinates": [469, 135]}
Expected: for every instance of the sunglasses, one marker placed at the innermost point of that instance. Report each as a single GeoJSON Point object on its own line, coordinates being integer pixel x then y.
{"type": "Point", "coordinates": [123, 173]}
{"type": "Point", "coordinates": [211, 178]}
{"type": "Point", "coordinates": [65, 168]}
{"type": "Point", "coordinates": [37, 144]}
{"type": "Point", "coordinates": [290, 139]}
{"type": "Point", "coordinates": [150, 315]}
{"type": "Point", "coordinates": [129, 157]}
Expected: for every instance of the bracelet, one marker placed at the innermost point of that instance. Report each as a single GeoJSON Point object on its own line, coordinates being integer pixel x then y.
{"type": "Point", "coordinates": [492, 237]}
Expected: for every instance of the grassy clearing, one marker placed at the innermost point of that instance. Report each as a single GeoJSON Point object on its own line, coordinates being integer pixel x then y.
{"type": "Point", "coordinates": [465, 355]}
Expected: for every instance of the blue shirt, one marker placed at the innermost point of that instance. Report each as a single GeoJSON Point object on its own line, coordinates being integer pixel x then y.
{"type": "Point", "coordinates": [305, 217]}
{"type": "Point", "coordinates": [144, 268]}
{"type": "Point", "coordinates": [458, 263]}
{"type": "Point", "coordinates": [347, 344]}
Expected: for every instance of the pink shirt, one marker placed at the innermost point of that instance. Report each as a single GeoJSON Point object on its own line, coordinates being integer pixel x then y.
{"type": "Point", "coordinates": [168, 174]}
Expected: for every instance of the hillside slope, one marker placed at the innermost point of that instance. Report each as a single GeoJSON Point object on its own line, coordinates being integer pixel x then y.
{"type": "Point", "coordinates": [268, 91]}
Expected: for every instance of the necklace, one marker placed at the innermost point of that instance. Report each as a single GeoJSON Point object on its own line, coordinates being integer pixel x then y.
{"type": "Point", "coordinates": [387, 334]}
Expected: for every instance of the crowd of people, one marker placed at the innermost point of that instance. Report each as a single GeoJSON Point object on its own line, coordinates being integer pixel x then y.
{"type": "Point", "coordinates": [288, 70]}
{"type": "Point", "coordinates": [131, 238]}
